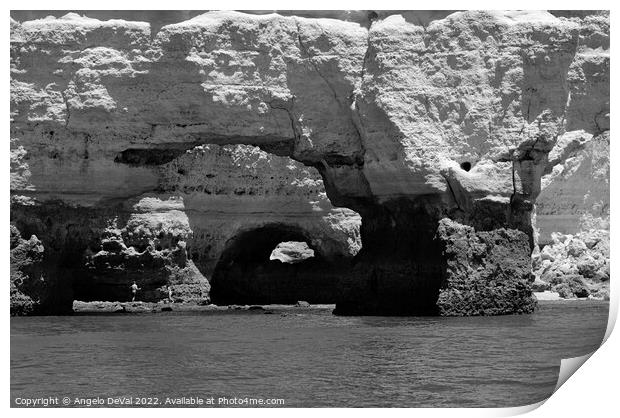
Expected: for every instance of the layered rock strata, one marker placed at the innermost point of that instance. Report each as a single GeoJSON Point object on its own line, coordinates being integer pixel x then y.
{"type": "Point", "coordinates": [206, 199]}
{"type": "Point", "coordinates": [170, 154]}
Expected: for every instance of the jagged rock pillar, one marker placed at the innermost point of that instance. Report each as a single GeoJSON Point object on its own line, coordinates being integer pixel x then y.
{"type": "Point", "coordinates": [484, 273]}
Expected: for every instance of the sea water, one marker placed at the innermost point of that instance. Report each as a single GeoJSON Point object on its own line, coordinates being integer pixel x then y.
{"type": "Point", "coordinates": [300, 357]}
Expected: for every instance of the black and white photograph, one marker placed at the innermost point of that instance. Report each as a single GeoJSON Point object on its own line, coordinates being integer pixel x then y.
{"type": "Point", "coordinates": [231, 208]}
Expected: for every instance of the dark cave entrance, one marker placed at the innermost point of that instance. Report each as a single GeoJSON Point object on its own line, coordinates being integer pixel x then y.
{"type": "Point", "coordinates": [271, 265]}
{"type": "Point", "coordinates": [400, 268]}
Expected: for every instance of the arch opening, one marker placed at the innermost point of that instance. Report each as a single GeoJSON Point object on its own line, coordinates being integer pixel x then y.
{"type": "Point", "coordinates": [248, 271]}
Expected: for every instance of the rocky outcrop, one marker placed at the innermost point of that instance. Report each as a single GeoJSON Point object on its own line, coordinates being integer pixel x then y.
{"type": "Point", "coordinates": [485, 273]}
{"type": "Point", "coordinates": [575, 265]}
{"type": "Point", "coordinates": [150, 251]}
{"type": "Point", "coordinates": [28, 287]}
{"type": "Point", "coordinates": [191, 150]}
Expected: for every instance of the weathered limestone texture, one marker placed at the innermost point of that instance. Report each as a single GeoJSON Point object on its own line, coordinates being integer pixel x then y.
{"type": "Point", "coordinates": [575, 192]}
{"type": "Point", "coordinates": [573, 205]}
{"type": "Point", "coordinates": [28, 287]}
{"type": "Point", "coordinates": [486, 273]}
{"type": "Point", "coordinates": [575, 265]}
{"type": "Point", "coordinates": [184, 154]}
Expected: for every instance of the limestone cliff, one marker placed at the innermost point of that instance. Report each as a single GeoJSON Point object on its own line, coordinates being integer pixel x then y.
{"type": "Point", "coordinates": [572, 211]}
{"type": "Point", "coordinates": [575, 184]}
{"type": "Point", "coordinates": [195, 148]}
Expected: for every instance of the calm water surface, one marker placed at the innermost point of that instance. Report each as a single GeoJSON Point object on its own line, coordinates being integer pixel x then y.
{"type": "Point", "coordinates": [306, 357]}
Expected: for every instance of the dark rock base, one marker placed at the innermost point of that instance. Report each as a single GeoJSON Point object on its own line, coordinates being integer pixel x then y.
{"type": "Point", "coordinates": [485, 273]}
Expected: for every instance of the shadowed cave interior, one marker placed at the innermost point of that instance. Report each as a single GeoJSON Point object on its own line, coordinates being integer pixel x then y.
{"type": "Point", "coordinates": [245, 274]}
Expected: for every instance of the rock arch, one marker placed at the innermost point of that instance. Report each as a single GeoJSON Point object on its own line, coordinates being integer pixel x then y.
{"type": "Point", "coordinates": [244, 273]}
{"type": "Point", "coordinates": [385, 110]}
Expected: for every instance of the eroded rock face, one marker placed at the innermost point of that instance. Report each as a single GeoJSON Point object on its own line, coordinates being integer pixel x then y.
{"type": "Point", "coordinates": [247, 123]}
{"type": "Point", "coordinates": [28, 287]}
{"type": "Point", "coordinates": [177, 235]}
{"type": "Point", "coordinates": [575, 265]}
{"type": "Point", "coordinates": [575, 188]}
{"type": "Point", "coordinates": [486, 273]}
{"type": "Point", "coordinates": [573, 206]}
{"type": "Point", "coordinates": [150, 251]}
